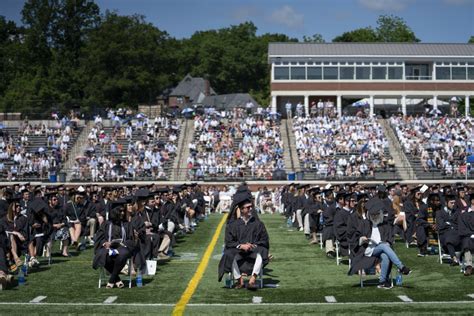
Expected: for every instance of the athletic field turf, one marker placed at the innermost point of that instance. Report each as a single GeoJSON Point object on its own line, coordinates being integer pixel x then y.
{"type": "Point", "coordinates": [301, 279]}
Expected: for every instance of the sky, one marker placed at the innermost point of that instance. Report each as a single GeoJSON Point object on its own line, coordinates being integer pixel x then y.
{"type": "Point", "coordinates": [433, 21]}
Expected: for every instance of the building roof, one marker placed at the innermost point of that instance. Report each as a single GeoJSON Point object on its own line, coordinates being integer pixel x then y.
{"type": "Point", "coordinates": [193, 88]}
{"type": "Point", "coordinates": [371, 49]}
{"type": "Point", "coordinates": [228, 100]}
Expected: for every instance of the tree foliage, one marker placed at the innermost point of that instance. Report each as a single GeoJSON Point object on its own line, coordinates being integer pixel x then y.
{"type": "Point", "coordinates": [68, 54]}
{"type": "Point", "coordinates": [389, 28]}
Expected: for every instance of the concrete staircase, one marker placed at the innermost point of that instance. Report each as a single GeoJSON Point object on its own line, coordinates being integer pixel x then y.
{"type": "Point", "coordinates": [290, 155]}
{"type": "Point", "coordinates": [401, 161]}
{"type": "Point", "coordinates": [185, 138]}
{"type": "Point", "coordinates": [77, 150]}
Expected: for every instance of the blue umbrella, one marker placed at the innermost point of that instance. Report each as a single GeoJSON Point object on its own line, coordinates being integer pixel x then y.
{"type": "Point", "coordinates": [363, 102]}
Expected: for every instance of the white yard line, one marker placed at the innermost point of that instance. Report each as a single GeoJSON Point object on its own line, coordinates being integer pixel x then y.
{"type": "Point", "coordinates": [37, 299]}
{"type": "Point", "coordinates": [110, 299]}
{"type": "Point", "coordinates": [246, 304]}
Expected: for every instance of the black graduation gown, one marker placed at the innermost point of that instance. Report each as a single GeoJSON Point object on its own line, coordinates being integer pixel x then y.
{"type": "Point", "coordinates": [329, 211]}
{"type": "Point", "coordinates": [76, 212]}
{"type": "Point", "coordinates": [238, 232]}
{"type": "Point", "coordinates": [411, 212]}
{"type": "Point", "coordinates": [3, 245]}
{"type": "Point", "coordinates": [102, 235]}
{"type": "Point", "coordinates": [466, 230]}
{"type": "Point", "coordinates": [353, 223]}
{"type": "Point", "coordinates": [340, 229]}
{"type": "Point", "coordinates": [448, 227]}
{"type": "Point", "coordinates": [359, 260]}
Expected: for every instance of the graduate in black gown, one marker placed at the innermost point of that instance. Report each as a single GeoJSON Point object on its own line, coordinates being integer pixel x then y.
{"type": "Point", "coordinates": [115, 242]}
{"type": "Point", "coordinates": [341, 222]}
{"type": "Point", "coordinates": [466, 232]}
{"type": "Point", "coordinates": [447, 223]}
{"type": "Point", "coordinates": [246, 243]}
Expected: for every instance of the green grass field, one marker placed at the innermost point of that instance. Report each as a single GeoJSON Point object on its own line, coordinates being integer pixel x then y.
{"type": "Point", "coordinates": [300, 275]}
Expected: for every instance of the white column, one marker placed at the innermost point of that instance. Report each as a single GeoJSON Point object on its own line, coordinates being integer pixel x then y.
{"type": "Point", "coordinates": [435, 102]}
{"type": "Point", "coordinates": [468, 110]}
{"type": "Point", "coordinates": [306, 106]}
{"type": "Point", "coordinates": [274, 103]}
{"type": "Point", "coordinates": [404, 104]}
{"type": "Point", "coordinates": [371, 103]}
{"type": "Point", "coordinates": [339, 105]}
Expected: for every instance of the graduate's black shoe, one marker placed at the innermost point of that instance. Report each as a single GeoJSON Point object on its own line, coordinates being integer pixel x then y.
{"type": "Point", "coordinates": [405, 271]}
{"type": "Point", "coordinates": [386, 285]}
{"type": "Point", "coordinates": [454, 262]}
{"type": "Point", "coordinates": [331, 254]}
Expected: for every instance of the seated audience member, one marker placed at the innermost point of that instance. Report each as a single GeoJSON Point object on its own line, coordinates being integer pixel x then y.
{"type": "Point", "coordinates": [76, 215]}
{"type": "Point", "coordinates": [466, 232]}
{"type": "Point", "coordinates": [447, 223]}
{"type": "Point", "coordinates": [17, 231]}
{"type": "Point", "coordinates": [374, 244]}
{"type": "Point", "coordinates": [246, 243]}
{"type": "Point", "coordinates": [115, 243]}
{"type": "Point", "coordinates": [60, 228]}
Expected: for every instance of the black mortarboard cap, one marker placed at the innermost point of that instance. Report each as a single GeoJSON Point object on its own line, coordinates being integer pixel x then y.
{"type": "Point", "coordinates": [118, 202]}
{"type": "Point", "coordinates": [381, 188]}
{"type": "Point", "coordinates": [38, 205]}
{"type": "Point", "coordinates": [340, 195]}
{"type": "Point", "coordinates": [240, 198]}
{"type": "Point", "coordinates": [142, 194]}
{"type": "Point", "coordinates": [416, 189]}
{"type": "Point", "coordinates": [374, 206]}
{"type": "Point", "coordinates": [449, 197]}
{"type": "Point", "coordinates": [303, 186]}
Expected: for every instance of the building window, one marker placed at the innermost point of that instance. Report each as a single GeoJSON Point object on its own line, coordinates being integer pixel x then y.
{"type": "Point", "coordinates": [315, 73]}
{"type": "Point", "coordinates": [330, 73]}
{"type": "Point", "coordinates": [298, 73]}
{"type": "Point", "coordinates": [443, 73]}
{"type": "Point", "coordinates": [363, 73]}
{"type": "Point", "coordinates": [470, 73]}
{"type": "Point", "coordinates": [379, 73]}
{"type": "Point", "coordinates": [346, 73]}
{"type": "Point", "coordinates": [458, 73]}
{"type": "Point", "coordinates": [395, 73]}
{"type": "Point", "coordinates": [282, 73]}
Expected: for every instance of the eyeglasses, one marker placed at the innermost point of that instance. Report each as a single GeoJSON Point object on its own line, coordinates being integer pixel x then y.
{"type": "Point", "coordinates": [247, 207]}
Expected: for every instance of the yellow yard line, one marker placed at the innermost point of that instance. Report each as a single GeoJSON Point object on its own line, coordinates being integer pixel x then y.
{"type": "Point", "coordinates": [193, 284]}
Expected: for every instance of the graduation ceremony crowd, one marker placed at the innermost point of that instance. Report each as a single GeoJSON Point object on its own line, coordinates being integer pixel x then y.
{"type": "Point", "coordinates": [363, 221]}
{"type": "Point", "coordinates": [129, 224]}
{"type": "Point", "coordinates": [137, 222]}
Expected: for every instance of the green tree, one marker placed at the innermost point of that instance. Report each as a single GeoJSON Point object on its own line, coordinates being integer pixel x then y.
{"type": "Point", "coordinates": [316, 38]}
{"type": "Point", "coordinates": [392, 28]}
{"type": "Point", "coordinates": [471, 40]}
{"type": "Point", "coordinates": [366, 34]}
{"type": "Point", "coordinates": [125, 62]}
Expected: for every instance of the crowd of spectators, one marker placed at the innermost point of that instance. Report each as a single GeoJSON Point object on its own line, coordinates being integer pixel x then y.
{"type": "Point", "coordinates": [131, 148]}
{"type": "Point", "coordinates": [36, 150]}
{"type": "Point", "coordinates": [341, 147]}
{"type": "Point", "coordinates": [440, 144]}
{"type": "Point", "coordinates": [236, 145]}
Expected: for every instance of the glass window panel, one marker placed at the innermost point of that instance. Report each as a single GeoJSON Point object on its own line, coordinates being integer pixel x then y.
{"type": "Point", "coordinates": [395, 73]}
{"type": "Point", "coordinates": [470, 73]}
{"type": "Point", "coordinates": [363, 73]}
{"type": "Point", "coordinates": [330, 73]}
{"type": "Point", "coordinates": [443, 73]}
{"type": "Point", "coordinates": [298, 73]}
{"type": "Point", "coordinates": [346, 73]}
{"type": "Point", "coordinates": [282, 73]}
{"type": "Point", "coordinates": [459, 73]}
{"type": "Point", "coordinates": [315, 73]}
{"type": "Point", "coordinates": [379, 73]}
